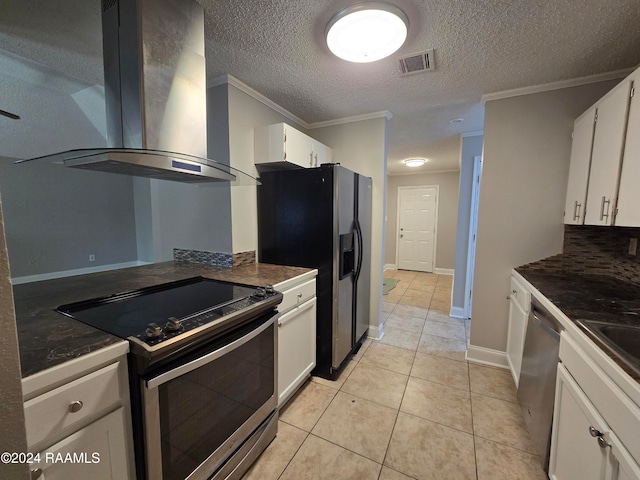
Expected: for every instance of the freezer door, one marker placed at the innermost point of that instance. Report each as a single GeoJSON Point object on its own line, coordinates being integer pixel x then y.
{"type": "Point", "coordinates": [362, 287]}
{"type": "Point", "coordinates": [344, 202]}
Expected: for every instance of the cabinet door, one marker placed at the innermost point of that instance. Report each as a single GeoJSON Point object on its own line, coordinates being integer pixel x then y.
{"type": "Point", "coordinates": [321, 154]}
{"type": "Point", "coordinates": [579, 168]}
{"type": "Point", "coordinates": [97, 451]}
{"type": "Point", "coordinates": [296, 348]}
{"type": "Point", "coordinates": [629, 196]}
{"type": "Point", "coordinates": [298, 148]}
{"type": "Point", "coordinates": [515, 338]}
{"type": "Point", "coordinates": [606, 156]}
{"type": "Point", "coordinates": [575, 452]}
{"type": "Point", "coordinates": [623, 467]}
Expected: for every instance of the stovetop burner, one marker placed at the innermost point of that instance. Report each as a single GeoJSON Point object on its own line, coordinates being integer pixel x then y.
{"type": "Point", "coordinates": [158, 316]}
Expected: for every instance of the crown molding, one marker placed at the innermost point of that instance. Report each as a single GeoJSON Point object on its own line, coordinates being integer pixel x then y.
{"type": "Point", "coordinates": [243, 87]}
{"type": "Point", "coordinates": [357, 118]}
{"type": "Point", "coordinates": [240, 85]}
{"type": "Point", "coordinates": [478, 133]}
{"type": "Point", "coordinates": [546, 87]}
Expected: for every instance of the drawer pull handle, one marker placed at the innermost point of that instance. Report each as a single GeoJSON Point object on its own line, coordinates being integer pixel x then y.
{"type": "Point", "coordinates": [75, 406]}
{"type": "Point", "coordinates": [36, 473]}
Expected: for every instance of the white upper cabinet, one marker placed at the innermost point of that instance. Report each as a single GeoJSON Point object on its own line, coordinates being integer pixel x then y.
{"type": "Point", "coordinates": [321, 154]}
{"type": "Point", "coordinates": [606, 157]}
{"type": "Point", "coordinates": [282, 146]}
{"type": "Point", "coordinates": [629, 194]}
{"type": "Point", "coordinates": [579, 169]}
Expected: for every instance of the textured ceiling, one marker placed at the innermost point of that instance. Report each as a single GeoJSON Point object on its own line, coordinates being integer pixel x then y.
{"type": "Point", "coordinates": [277, 47]}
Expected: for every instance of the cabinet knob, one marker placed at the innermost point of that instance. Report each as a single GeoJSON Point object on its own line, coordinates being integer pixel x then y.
{"type": "Point", "coordinates": [36, 473]}
{"type": "Point", "coordinates": [594, 432]}
{"type": "Point", "coordinates": [75, 406]}
{"type": "Point", "coordinates": [602, 443]}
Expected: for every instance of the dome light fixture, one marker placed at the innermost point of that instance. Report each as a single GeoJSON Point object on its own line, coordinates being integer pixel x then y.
{"type": "Point", "coordinates": [415, 162]}
{"type": "Point", "coordinates": [366, 32]}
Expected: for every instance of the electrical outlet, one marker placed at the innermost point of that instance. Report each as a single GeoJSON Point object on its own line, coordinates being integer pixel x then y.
{"type": "Point", "coordinates": [92, 258]}
{"type": "Point", "coordinates": [633, 246]}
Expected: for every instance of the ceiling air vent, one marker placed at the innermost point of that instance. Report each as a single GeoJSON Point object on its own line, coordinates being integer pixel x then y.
{"type": "Point", "coordinates": [417, 63]}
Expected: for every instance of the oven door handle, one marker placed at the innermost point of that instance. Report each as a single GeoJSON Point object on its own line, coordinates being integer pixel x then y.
{"type": "Point", "coordinates": [210, 357]}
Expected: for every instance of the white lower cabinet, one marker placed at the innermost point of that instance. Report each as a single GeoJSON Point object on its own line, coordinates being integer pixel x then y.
{"type": "Point", "coordinates": [296, 336]}
{"type": "Point", "coordinates": [591, 415]}
{"type": "Point", "coordinates": [79, 427]}
{"type": "Point", "coordinates": [519, 305]}
{"type": "Point", "coordinates": [575, 453]}
{"type": "Point", "coordinates": [296, 348]}
{"type": "Point", "coordinates": [96, 451]}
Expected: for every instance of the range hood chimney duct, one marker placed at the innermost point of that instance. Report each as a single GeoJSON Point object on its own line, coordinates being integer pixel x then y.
{"type": "Point", "coordinates": [155, 95]}
{"type": "Point", "coordinates": [155, 75]}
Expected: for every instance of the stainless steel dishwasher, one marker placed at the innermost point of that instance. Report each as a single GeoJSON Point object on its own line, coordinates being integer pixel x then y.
{"type": "Point", "coordinates": [537, 386]}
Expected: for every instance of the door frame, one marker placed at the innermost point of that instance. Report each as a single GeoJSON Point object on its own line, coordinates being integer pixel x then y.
{"type": "Point", "coordinates": [473, 230]}
{"type": "Point", "coordinates": [435, 233]}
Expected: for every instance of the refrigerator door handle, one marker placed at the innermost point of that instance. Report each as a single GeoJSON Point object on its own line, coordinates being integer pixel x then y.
{"type": "Point", "coordinates": [358, 230]}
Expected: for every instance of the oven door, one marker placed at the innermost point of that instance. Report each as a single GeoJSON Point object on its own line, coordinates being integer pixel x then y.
{"type": "Point", "coordinates": [199, 412]}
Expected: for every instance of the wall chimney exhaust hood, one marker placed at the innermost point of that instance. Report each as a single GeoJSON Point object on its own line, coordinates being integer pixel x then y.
{"type": "Point", "coordinates": [155, 95]}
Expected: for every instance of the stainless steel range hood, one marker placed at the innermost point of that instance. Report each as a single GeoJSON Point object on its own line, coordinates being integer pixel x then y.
{"type": "Point", "coordinates": [155, 94]}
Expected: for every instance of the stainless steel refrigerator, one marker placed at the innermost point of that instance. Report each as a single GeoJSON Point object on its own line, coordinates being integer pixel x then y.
{"type": "Point", "coordinates": [321, 218]}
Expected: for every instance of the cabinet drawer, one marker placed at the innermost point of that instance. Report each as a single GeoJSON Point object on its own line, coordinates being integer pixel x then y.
{"type": "Point", "coordinates": [520, 295]}
{"type": "Point", "coordinates": [297, 295]}
{"type": "Point", "coordinates": [59, 409]}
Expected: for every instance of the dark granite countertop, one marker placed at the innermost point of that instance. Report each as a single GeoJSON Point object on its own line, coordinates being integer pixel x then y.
{"type": "Point", "coordinates": [590, 297]}
{"type": "Point", "coordinates": [47, 338]}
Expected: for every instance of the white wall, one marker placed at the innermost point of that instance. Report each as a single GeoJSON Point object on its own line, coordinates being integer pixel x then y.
{"type": "Point", "coordinates": [527, 144]}
{"type": "Point", "coordinates": [471, 147]}
{"type": "Point", "coordinates": [361, 146]}
{"type": "Point", "coordinates": [448, 183]}
{"type": "Point", "coordinates": [246, 113]}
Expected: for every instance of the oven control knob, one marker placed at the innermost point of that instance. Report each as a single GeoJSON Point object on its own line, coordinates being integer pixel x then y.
{"type": "Point", "coordinates": [269, 289]}
{"type": "Point", "coordinates": [173, 325]}
{"type": "Point", "coordinates": [153, 331]}
{"type": "Point", "coordinates": [260, 292]}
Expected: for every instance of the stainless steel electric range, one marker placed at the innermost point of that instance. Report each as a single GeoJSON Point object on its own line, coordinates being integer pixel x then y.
{"type": "Point", "coordinates": [202, 372]}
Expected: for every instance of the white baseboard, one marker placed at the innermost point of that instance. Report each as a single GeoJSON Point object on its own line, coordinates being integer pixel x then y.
{"type": "Point", "coordinates": [390, 266]}
{"type": "Point", "coordinates": [71, 273]}
{"type": "Point", "coordinates": [444, 271]}
{"type": "Point", "coordinates": [456, 312]}
{"type": "Point", "coordinates": [375, 333]}
{"type": "Point", "coordinates": [487, 356]}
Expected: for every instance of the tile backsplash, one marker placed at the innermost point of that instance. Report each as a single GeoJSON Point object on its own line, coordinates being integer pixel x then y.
{"type": "Point", "coordinates": [595, 250]}
{"type": "Point", "coordinates": [217, 259]}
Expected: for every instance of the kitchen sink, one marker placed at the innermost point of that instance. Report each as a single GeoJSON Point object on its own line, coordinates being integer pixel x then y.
{"type": "Point", "coordinates": [624, 340]}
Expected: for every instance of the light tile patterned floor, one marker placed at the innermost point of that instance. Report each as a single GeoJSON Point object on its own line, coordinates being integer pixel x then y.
{"type": "Point", "coordinates": [408, 406]}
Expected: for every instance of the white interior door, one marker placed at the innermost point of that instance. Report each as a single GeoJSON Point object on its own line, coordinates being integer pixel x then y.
{"type": "Point", "coordinates": [417, 220]}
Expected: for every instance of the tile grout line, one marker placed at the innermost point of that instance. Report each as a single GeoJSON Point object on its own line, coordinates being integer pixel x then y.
{"type": "Point", "coordinates": [386, 452]}
{"type": "Point", "coordinates": [473, 426]}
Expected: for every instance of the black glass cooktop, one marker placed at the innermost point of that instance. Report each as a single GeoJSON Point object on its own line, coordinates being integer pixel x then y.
{"type": "Point", "coordinates": [129, 314]}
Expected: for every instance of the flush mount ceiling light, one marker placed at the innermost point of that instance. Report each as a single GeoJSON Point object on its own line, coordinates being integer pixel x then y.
{"type": "Point", "coordinates": [366, 32]}
{"type": "Point", "coordinates": [415, 162]}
